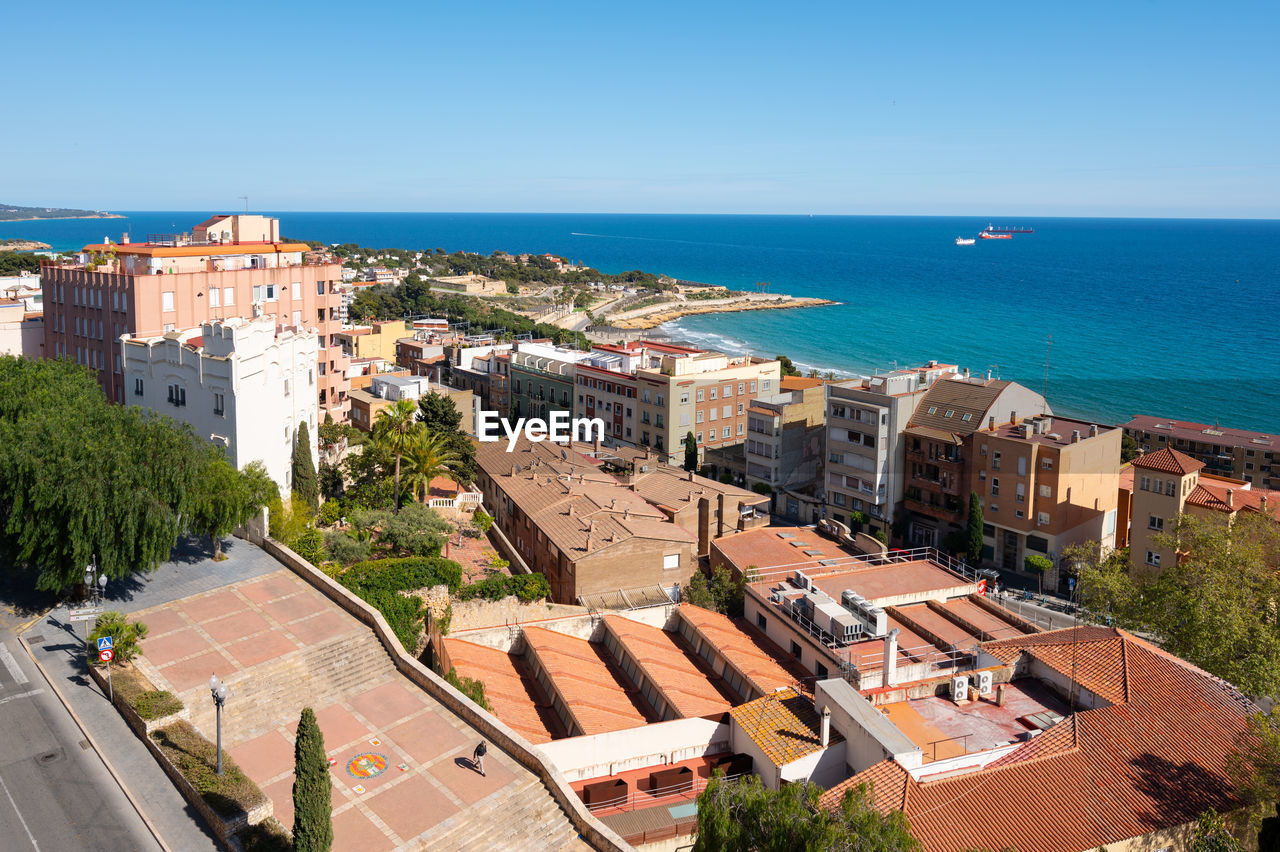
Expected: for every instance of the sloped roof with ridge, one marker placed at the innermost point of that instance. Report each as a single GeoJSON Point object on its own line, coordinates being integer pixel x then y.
{"type": "Point", "coordinates": [1168, 461]}
{"type": "Point", "coordinates": [1153, 759]}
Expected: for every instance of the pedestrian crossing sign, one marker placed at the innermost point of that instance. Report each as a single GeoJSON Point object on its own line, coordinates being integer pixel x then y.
{"type": "Point", "coordinates": [104, 643]}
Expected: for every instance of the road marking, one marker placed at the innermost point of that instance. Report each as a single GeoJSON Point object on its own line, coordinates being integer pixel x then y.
{"type": "Point", "coordinates": [21, 695]}
{"type": "Point", "coordinates": [25, 827]}
{"type": "Point", "coordinates": [11, 664]}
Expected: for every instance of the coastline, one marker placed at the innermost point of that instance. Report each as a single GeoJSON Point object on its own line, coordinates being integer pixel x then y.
{"type": "Point", "coordinates": [24, 245]}
{"type": "Point", "coordinates": [54, 218]}
{"type": "Point", "coordinates": [668, 312]}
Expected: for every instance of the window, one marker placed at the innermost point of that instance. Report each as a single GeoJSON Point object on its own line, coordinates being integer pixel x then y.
{"type": "Point", "coordinates": [761, 621]}
{"type": "Point", "coordinates": [701, 394]}
{"type": "Point", "coordinates": [1046, 491]}
{"type": "Point", "coordinates": [1145, 484]}
{"type": "Point", "coordinates": [1042, 518]}
{"type": "Point", "coordinates": [741, 391]}
{"type": "Point", "coordinates": [837, 458]}
{"type": "Point", "coordinates": [1020, 492]}
{"type": "Point", "coordinates": [967, 417]}
{"type": "Point", "coordinates": [933, 409]}
{"type": "Point", "coordinates": [727, 390]}
{"type": "Point", "coordinates": [753, 386]}
{"type": "Point", "coordinates": [982, 476]}
{"type": "Point", "coordinates": [286, 387]}
{"type": "Point", "coordinates": [1022, 465]}
{"type": "Point", "coordinates": [219, 404]}
{"type": "Point", "coordinates": [711, 414]}
{"type": "Point", "coordinates": [1155, 523]}
{"type": "Point", "coordinates": [741, 409]}
{"type": "Point", "coordinates": [214, 293]}
{"type": "Point", "coordinates": [670, 561]}
{"type": "Point", "coordinates": [837, 498]}
{"type": "Point", "coordinates": [137, 387]}
{"type": "Point", "coordinates": [949, 412]}
{"type": "Point", "coordinates": [699, 437]}
{"type": "Point", "coordinates": [765, 384]}
{"type": "Point", "coordinates": [1017, 513]}
{"type": "Point", "coordinates": [684, 397]}
{"type": "Point", "coordinates": [995, 460]}
{"type": "Point", "coordinates": [228, 296]}
{"type": "Point", "coordinates": [1153, 559]}
{"type": "Point", "coordinates": [698, 417]}
{"type": "Point", "coordinates": [821, 671]}
{"type": "Point", "coordinates": [727, 432]}
{"type": "Point", "coordinates": [739, 428]}
{"type": "Point", "coordinates": [1168, 488]}
{"type": "Point", "coordinates": [727, 412]}
{"type": "Point", "coordinates": [1046, 463]}
{"type": "Point", "coordinates": [166, 299]}
{"type": "Point", "coordinates": [995, 487]}
{"type": "Point", "coordinates": [795, 649]}
{"type": "Point", "coordinates": [711, 393]}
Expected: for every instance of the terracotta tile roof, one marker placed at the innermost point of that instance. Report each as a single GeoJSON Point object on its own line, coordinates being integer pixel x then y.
{"type": "Point", "coordinates": [789, 383]}
{"type": "Point", "coordinates": [504, 687]}
{"type": "Point", "coordinates": [763, 663]}
{"type": "Point", "coordinates": [1126, 477]}
{"type": "Point", "coordinates": [1153, 760]}
{"type": "Point", "coordinates": [687, 687]}
{"type": "Point", "coordinates": [784, 724]}
{"type": "Point", "coordinates": [1211, 495]}
{"type": "Point", "coordinates": [592, 696]}
{"type": "Point", "coordinates": [1168, 461]}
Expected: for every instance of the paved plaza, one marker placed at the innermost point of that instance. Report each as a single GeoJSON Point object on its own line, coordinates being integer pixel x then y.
{"type": "Point", "coordinates": [400, 762]}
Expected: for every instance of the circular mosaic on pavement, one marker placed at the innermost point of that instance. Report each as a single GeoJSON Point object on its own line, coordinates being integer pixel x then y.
{"type": "Point", "coordinates": [367, 765]}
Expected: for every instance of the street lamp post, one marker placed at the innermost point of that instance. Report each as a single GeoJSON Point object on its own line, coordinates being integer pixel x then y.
{"type": "Point", "coordinates": [94, 584]}
{"type": "Point", "coordinates": [218, 690]}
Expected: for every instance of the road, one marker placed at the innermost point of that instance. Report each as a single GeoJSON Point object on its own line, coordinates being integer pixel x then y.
{"type": "Point", "coordinates": [55, 792]}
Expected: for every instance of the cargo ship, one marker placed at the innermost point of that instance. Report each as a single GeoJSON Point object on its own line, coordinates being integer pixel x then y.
{"type": "Point", "coordinates": [994, 235]}
{"type": "Point", "coordinates": [992, 229]}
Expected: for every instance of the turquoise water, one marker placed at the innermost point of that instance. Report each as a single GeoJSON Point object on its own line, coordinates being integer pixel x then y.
{"type": "Point", "coordinates": [1175, 318]}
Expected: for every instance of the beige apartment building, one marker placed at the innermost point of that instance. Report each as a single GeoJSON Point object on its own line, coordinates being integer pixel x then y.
{"type": "Point", "coordinates": [1168, 483]}
{"type": "Point", "coordinates": [785, 440]}
{"type": "Point", "coordinates": [1046, 483]}
{"type": "Point", "coordinates": [227, 267]}
{"type": "Point", "coordinates": [1252, 457]}
{"type": "Point", "coordinates": [376, 340]}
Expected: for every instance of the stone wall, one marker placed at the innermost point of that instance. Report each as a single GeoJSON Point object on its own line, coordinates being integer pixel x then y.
{"type": "Point", "coordinates": [486, 724]}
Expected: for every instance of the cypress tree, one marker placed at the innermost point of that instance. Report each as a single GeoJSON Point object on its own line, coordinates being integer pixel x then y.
{"type": "Point", "coordinates": [690, 452]}
{"type": "Point", "coordinates": [305, 481]}
{"type": "Point", "coordinates": [973, 544]}
{"type": "Point", "coordinates": [312, 790]}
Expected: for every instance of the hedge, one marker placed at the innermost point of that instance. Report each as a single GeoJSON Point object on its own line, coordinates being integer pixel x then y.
{"type": "Point", "coordinates": [380, 582]}
{"type": "Point", "coordinates": [140, 694]}
{"type": "Point", "coordinates": [526, 587]}
{"type": "Point", "coordinates": [228, 794]}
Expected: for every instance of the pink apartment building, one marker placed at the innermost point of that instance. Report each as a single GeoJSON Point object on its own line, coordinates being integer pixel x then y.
{"type": "Point", "coordinates": [229, 266]}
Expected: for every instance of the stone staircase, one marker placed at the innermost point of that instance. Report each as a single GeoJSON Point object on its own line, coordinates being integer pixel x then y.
{"type": "Point", "coordinates": [519, 818]}
{"type": "Point", "coordinates": [272, 694]}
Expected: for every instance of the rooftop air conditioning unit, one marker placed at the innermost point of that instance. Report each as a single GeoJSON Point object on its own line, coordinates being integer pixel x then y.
{"type": "Point", "coordinates": [984, 682]}
{"type": "Point", "coordinates": [802, 580]}
{"type": "Point", "coordinates": [959, 687]}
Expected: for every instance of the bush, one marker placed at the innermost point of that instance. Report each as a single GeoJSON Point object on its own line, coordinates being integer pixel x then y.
{"type": "Point", "coordinates": [124, 636]}
{"type": "Point", "coordinates": [156, 704]}
{"type": "Point", "coordinates": [266, 836]}
{"type": "Point", "coordinates": [482, 519]}
{"type": "Point", "coordinates": [228, 794]}
{"type": "Point", "coordinates": [1035, 563]}
{"type": "Point", "coordinates": [468, 686]}
{"type": "Point", "coordinates": [139, 693]}
{"type": "Point", "coordinates": [380, 583]}
{"type": "Point", "coordinates": [762, 488]}
{"type": "Point", "coordinates": [881, 536]}
{"type": "Point", "coordinates": [330, 513]}
{"type": "Point", "coordinates": [310, 545]}
{"type": "Point", "coordinates": [720, 592]}
{"type": "Point", "coordinates": [346, 548]}
{"type": "Point", "coordinates": [495, 587]}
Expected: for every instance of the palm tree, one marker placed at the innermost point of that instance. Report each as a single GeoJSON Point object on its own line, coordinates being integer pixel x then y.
{"type": "Point", "coordinates": [394, 428]}
{"type": "Point", "coordinates": [427, 457]}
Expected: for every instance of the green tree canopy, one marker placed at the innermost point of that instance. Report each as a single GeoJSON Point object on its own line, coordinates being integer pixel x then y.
{"type": "Point", "coordinates": [81, 479]}
{"type": "Point", "coordinates": [973, 532]}
{"type": "Point", "coordinates": [690, 452]}
{"type": "Point", "coordinates": [745, 816]}
{"type": "Point", "coordinates": [225, 498]}
{"type": "Point", "coordinates": [428, 456]}
{"type": "Point", "coordinates": [394, 430]}
{"type": "Point", "coordinates": [312, 788]}
{"type": "Point", "coordinates": [305, 482]}
{"type": "Point", "coordinates": [441, 417]}
{"type": "Point", "coordinates": [719, 591]}
{"type": "Point", "coordinates": [1214, 607]}
{"type": "Point", "coordinates": [788, 367]}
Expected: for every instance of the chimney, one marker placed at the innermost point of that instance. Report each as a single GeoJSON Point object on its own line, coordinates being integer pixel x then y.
{"type": "Point", "coordinates": [966, 372]}
{"type": "Point", "coordinates": [704, 527]}
{"type": "Point", "coordinates": [1013, 417]}
{"type": "Point", "coordinates": [1000, 690]}
{"type": "Point", "coordinates": [1231, 498]}
{"type": "Point", "coordinates": [513, 470]}
{"type": "Point", "coordinates": [720, 515]}
{"type": "Point", "coordinates": [124, 239]}
{"type": "Point", "coordinates": [890, 657]}
{"type": "Point", "coordinates": [1075, 436]}
{"type": "Point", "coordinates": [988, 375]}
{"type": "Point", "coordinates": [626, 514]}
{"type": "Point", "coordinates": [1093, 431]}
{"type": "Point", "coordinates": [1262, 505]}
{"type": "Point", "coordinates": [689, 476]}
{"type": "Point", "coordinates": [991, 423]}
{"type": "Point", "coordinates": [826, 726]}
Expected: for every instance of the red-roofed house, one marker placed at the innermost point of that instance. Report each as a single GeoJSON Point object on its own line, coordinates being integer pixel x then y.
{"type": "Point", "coordinates": [1167, 483]}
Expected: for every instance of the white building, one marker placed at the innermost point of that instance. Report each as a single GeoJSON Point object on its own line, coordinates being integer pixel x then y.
{"type": "Point", "coordinates": [240, 383]}
{"type": "Point", "coordinates": [21, 330]}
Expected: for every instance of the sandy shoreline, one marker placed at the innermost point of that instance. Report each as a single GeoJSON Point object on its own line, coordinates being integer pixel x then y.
{"type": "Point", "coordinates": [689, 309]}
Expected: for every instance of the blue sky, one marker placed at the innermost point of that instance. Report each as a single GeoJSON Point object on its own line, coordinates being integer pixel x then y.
{"type": "Point", "coordinates": [1127, 109]}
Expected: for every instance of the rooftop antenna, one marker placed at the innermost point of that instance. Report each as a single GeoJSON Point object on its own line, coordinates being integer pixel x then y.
{"type": "Point", "coordinates": [245, 199]}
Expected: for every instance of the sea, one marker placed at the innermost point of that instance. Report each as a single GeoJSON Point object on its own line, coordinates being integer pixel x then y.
{"type": "Point", "coordinates": [1107, 318]}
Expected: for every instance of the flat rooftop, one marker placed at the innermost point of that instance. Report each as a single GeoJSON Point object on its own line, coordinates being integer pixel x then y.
{"type": "Point", "coordinates": [918, 578]}
{"type": "Point", "coordinates": [944, 729]}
